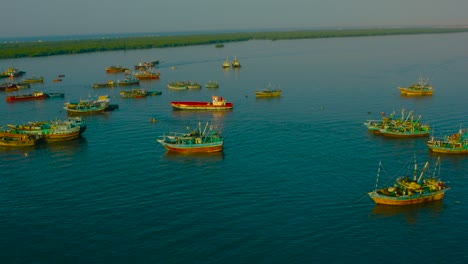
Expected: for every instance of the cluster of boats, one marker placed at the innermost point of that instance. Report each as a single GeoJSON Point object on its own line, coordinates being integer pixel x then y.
{"type": "Point", "coordinates": [33, 133]}
{"type": "Point", "coordinates": [417, 185]}
{"type": "Point", "coordinates": [405, 126]}
{"type": "Point", "coordinates": [234, 64]}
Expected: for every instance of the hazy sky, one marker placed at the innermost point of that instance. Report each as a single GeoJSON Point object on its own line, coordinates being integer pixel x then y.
{"type": "Point", "coordinates": [21, 18]}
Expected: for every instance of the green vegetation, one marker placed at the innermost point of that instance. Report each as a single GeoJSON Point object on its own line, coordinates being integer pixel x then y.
{"type": "Point", "coordinates": [38, 49]}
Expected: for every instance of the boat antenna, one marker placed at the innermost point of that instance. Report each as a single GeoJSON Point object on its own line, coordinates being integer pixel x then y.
{"type": "Point", "coordinates": [377, 178]}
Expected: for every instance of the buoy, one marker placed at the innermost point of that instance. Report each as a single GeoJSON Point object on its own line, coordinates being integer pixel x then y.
{"type": "Point", "coordinates": [153, 120]}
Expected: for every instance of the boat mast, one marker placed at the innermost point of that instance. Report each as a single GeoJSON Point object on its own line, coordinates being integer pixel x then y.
{"type": "Point", "coordinates": [422, 171]}
{"type": "Point", "coordinates": [377, 179]}
{"type": "Point", "coordinates": [435, 169]}
{"type": "Point", "coordinates": [415, 169]}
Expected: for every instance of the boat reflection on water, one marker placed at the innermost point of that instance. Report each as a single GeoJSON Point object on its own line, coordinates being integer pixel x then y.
{"type": "Point", "coordinates": [194, 157]}
{"type": "Point", "coordinates": [66, 148]}
{"type": "Point", "coordinates": [201, 114]}
{"type": "Point", "coordinates": [412, 213]}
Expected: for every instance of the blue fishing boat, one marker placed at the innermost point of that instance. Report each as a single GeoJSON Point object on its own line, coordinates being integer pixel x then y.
{"type": "Point", "coordinates": [196, 141]}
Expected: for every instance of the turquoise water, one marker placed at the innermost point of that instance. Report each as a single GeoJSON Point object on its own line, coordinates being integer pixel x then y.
{"type": "Point", "coordinates": [290, 185]}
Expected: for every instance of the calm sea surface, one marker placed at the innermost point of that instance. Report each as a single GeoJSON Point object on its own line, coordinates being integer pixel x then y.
{"type": "Point", "coordinates": [291, 183]}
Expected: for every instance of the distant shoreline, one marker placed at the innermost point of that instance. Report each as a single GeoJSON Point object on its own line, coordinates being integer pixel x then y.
{"type": "Point", "coordinates": [63, 47]}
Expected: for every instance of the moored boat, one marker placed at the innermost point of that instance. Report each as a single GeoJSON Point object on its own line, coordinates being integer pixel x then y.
{"type": "Point", "coordinates": [55, 130]}
{"type": "Point", "coordinates": [454, 144]}
{"type": "Point", "coordinates": [212, 84]}
{"type": "Point", "coordinates": [177, 85]}
{"type": "Point", "coordinates": [197, 141]}
{"type": "Point", "coordinates": [128, 81]}
{"type": "Point", "coordinates": [26, 97]}
{"type": "Point", "coordinates": [412, 188]}
{"type": "Point", "coordinates": [235, 63]}
{"type": "Point", "coordinates": [135, 93]}
{"type": "Point", "coordinates": [153, 93]}
{"type": "Point", "coordinates": [109, 83]}
{"type": "Point", "coordinates": [217, 103]}
{"type": "Point", "coordinates": [405, 126]}
{"type": "Point", "coordinates": [13, 72]}
{"type": "Point", "coordinates": [89, 106]}
{"type": "Point", "coordinates": [116, 69]}
{"type": "Point", "coordinates": [147, 75]}
{"type": "Point", "coordinates": [269, 92]}
{"type": "Point", "coordinates": [146, 65]}
{"type": "Point", "coordinates": [34, 80]}
{"type": "Point", "coordinates": [193, 85]}
{"type": "Point", "coordinates": [55, 95]}
{"type": "Point", "coordinates": [417, 89]}
{"type": "Point", "coordinates": [11, 138]}
{"type": "Point", "coordinates": [226, 64]}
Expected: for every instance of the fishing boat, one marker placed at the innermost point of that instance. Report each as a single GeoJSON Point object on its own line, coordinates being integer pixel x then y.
{"type": "Point", "coordinates": [109, 83]}
{"type": "Point", "coordinates": [34, 80]}
{"type": "Point", "coordinates": [147, 75]}
{"type": "Point", "coordinates": [217, 103]}
{"type": "Point", "coordinates": [414, 187]}
{"type": "Point", "coordinates": [13, 72]}
{"type": "Point", "coordinates": [405, 127]}
{"type": "Point", "coordinates": [417, 89]}
{"type": "Point", "coordinates": [226, 64]}
{"type": "Point", "coordinates": [116, 69]}
{"type": "Point", "coordinates": [88, 106]}
{"type": "Point", "coordinates": [269, 92]}
{"type": "Point", "coordinates": [177, 85]}
{"type": "Point", "coordinates": [128, 81]}
{"type": "Point", "coordinates": [26, 97]}
{"type": "Point", "coordinates": [153, 93]}
{"type": "Point", "coordinates": [235, 63]}
{"type": "Point", "coordinates": [10, 87]}
{"type": "Point", "coordinates": [193, 85]}
{"type": "Point", "coordinates": [146, 65]}
{"type": "Point", "coordinates": [14, 139]}
{"type": "Point", "coordinates": [57, 80]}
{"type": "Point", "coordinates": [55, 95]}
{"type": "Point", "coordinates": [453, 144]}
{"type": "Point", "coordinates": [212, 84]}
{"type": "Point", "coordinates": [135, 93]}
{"type": "Point", "coordinates": [197, 141]}
{"type": "Point", "coordinates": [375, 126]}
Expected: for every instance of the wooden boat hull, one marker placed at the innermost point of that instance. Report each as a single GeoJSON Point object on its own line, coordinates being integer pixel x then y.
{"type": "Point", "coordinates": [62, 137]}
{"type": "Point", "coordinates": [8, 139]}
{"type": "Point", "coordinates": [200, 106]}
{"type": "Point", "coordinates": [448, 150]}
{"type": "Point", "coordinates": [195, 148]}
{"type": "Point", "coordinates": [177, 87]}
{"type": "Point", "coordinates": [404, 135]}
{"type": "Point", "coordinates": [407, 200]}
{"type": "Point", "coordinates": [260, 94]}
{"type": "Point", "coordinates": [25, 98]}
